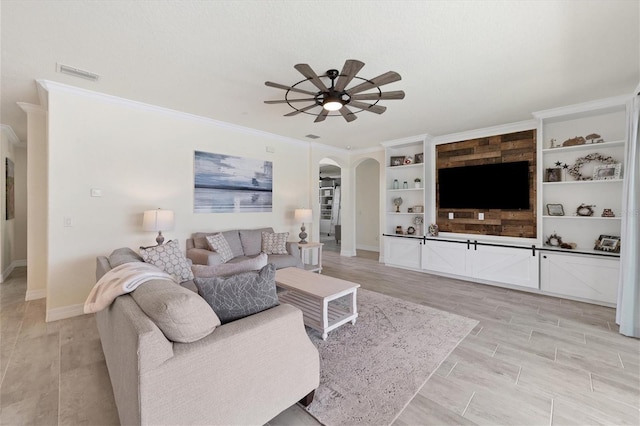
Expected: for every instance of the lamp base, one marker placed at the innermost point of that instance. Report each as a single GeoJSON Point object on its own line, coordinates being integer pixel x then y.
{"type": "Point", "coordinates": [302, 235]}
{"type": "Point", "coordinates": [159, 238]}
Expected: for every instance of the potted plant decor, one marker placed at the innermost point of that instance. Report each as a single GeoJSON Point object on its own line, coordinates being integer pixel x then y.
{"type": "Point", "coordinates": [417, 182]}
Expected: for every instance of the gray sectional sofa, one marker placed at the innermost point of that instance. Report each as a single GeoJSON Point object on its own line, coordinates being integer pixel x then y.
{"type": "Point", "coordinates": [171, 362]}
{"type": "Point", "coordinates": [245, 244]}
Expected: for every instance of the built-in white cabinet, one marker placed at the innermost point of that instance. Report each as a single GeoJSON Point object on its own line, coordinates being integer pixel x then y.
{"type": "Point", "coordinates": [403, 252]}
{"type": "Point", "coordinates": [514, 266]}
{"type": "Point", "coordinates": [591, 278]}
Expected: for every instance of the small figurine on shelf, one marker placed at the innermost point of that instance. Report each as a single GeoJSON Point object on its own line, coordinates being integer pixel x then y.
{"type": "Point", "coordinates": [399, 230]}
{"type": "Point", "coordinates": [433, 230]}
{"type": "Point", "coordinates": [408, 160]}
{"type": "Point", "coordinates": [397, 202]}
{"type": "Point", "coordinates": [418, 221]}
{"type": "Point", "coordinates": [592, 137]}
{"type": "Point", "coordinates": [553, 143]}
{"type": "Point", "coordinates": [608, 213]}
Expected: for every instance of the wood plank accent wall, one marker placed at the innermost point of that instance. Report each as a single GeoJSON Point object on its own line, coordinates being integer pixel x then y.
{"type": "Point", "coordinates": [507, 148]}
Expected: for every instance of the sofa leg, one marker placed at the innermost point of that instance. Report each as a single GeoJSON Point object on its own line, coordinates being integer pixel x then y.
{"type": "Point", "coordinates": [308, 399]}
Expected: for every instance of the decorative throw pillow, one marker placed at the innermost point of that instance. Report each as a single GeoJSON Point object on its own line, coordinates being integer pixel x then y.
{"type": "Point", "coordinates": [170, 259]}
{"type": "Point", "coordinates": [274, 243]}
{"type": "Point", "coordinates": [181, 314]}
{"type": "Point", "coordinates": [240, 295]}
{"type": "Point", "coordinates": [253, 264]}
{"type": "Point", "coordinates": [218, 244]}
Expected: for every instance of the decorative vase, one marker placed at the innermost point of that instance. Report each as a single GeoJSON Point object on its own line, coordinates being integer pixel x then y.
{"type": "Point", "coordinates": [417, 185]}
{"type": "Point", "coordinates": [395, 184]}
{"type": "Point", "coordinates": [405, 185]}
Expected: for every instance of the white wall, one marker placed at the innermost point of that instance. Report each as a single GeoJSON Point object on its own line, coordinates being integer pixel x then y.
{"type": "Point", "coordinates": [141, 158]}
{"type": "Point", "coordinates": [367, 210]}
{"type": "Point", "coordinates": [13, 231]}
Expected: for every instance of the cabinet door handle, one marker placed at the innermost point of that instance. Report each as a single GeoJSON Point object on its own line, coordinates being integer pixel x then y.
{"type": "Point", "coordinates": [544, 257]}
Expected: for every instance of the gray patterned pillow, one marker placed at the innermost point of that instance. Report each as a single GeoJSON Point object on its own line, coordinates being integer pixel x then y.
{"type": "Point", "coordinates": [218, 244]}
{"type": "Point", "coordinates": [170, 259]}
{"type": "Point", "coordinates": [274, 243]}
{"type": "Point", "coordinates": [208, 271]}
{"type": "Point", "coordinates": [241, 295]}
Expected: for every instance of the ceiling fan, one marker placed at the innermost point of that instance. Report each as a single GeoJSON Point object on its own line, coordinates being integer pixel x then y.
{"type": "Point", "coordinates": [337, 97]}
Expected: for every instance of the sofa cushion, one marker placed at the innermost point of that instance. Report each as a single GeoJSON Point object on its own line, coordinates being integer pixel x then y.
{"type": "Point", "coordinates": [252, 240]}
{"type": "Point", "coordinates": [240, 295]}
{"type": "Point", "coordinates": [248, 264]}
{"type": "Point", "coordinates": [274, 243]}
{"type": "Point", "coordinates": [220, 245]}
{"type": "Point", "coordinates": [232, 237]}
{"type": "Point", "coordinates": [283, 260]}
{"type": "Point", "coordinates": [181, 314]}
{"type": "Point", "coordinates": [123, 255]}
{"type": "Point", "coordinates": [170, 259]}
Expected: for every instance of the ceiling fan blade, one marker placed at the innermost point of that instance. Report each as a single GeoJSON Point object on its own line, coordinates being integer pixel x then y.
{"type": "Point", "coordinates": [347, 114]}
{"type": "Point", "coordinates": [386, 78]}
{"type": "Point", "coordinates": [349, 71]}
{"type": "Point", "coordinates": [284, 101]}
{"type": "Point", "coordinates": [378, 109]}
{"type": "Point", "coordinates": [306, 70]}
{"type": "Point", "coordinates": [321, 116]}
{"type": "Point", "coordinates": [395, 94]}
{"type": "Point", "coordinates": [283, 87]}
{"type": "Point", "coordinates": [291, 114]}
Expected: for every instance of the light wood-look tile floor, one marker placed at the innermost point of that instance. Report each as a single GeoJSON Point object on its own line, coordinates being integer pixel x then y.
{"type": "Point", "coordinates": [532, 359]}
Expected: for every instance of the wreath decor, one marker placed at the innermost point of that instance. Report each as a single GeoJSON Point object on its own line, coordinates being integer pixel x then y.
{"type": "Point", "coordinates": [575, 169]}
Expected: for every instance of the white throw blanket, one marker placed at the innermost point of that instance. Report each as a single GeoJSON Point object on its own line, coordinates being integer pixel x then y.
{"type": "Point", "coordinates": [121, 280]}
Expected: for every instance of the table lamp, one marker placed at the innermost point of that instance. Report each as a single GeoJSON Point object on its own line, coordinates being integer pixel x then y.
{"type": "Point", "coordinates": [303, 215]}
{"type": "Point", "coordinates": [157, 221]}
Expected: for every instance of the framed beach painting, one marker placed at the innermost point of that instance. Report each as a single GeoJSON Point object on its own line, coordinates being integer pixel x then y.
{"type": "Point", "coordinates": [228, 184]}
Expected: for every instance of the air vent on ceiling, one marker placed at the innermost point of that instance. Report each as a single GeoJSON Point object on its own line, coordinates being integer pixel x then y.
{"type": "Point", "coordinates": [76, 72]}
{"type": "Point", "coordinates": [310, 136]}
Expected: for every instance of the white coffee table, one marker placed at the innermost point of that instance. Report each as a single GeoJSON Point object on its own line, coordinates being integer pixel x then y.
{"type": "Point", "coordinates": [311, 293]}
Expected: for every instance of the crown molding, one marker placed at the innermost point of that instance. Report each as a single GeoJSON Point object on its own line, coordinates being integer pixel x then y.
{"type": "Point", "coordinates": [606, 103]}
{"type": "Point", "coordinates": [407, 141]}
{"type": "Point", "coordinates": [52, 87]}
{"type": "Point", "coordinates": [486, 131]}
{"type": "Point", "coordinates": [11, 135]}
{"type": "Point", "coordinates": [369, 150]}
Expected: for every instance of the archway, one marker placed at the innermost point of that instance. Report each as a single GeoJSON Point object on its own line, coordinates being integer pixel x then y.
{"type": "Point", "coordinates": [367, 208]}
{"type": "Point", "coordinates": [330, 200]}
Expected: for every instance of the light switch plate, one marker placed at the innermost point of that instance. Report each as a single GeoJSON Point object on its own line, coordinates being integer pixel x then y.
{"type": "Point", "coordinates": [480, 216]}
{"type": "Point", "coordinates": [450, 215]}
{"type": "Point", "coordinates": [96, 192]}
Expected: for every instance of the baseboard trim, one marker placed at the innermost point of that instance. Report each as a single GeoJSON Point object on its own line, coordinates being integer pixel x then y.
{"type": "Point", "coordinates": [367, 248]}
{"type": "Point", "coordinates": [15, 264]}
{"type": "Point", "coordinates": [64, 312]}
{"type": "Point", "coordinates": [348, 253]}
{"type": "Point", "coordinates": [40, 293]}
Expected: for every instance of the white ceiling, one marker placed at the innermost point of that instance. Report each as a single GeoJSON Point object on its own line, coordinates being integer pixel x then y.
{"type": "Point", "coordinates": [464, 64]}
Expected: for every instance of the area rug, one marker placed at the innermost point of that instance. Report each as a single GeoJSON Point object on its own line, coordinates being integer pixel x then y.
{"type": "Point", "coordinates": [371, 370]}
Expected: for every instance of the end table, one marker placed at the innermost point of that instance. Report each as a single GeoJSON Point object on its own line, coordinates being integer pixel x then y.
{"type": "Point", "coordinates": [309, 247]}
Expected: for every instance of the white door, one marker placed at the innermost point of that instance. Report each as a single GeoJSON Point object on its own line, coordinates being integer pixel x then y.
{"type": "Point", "coordinates": [505, 265]}
{"type": "Point", "coordinates": [586, 277]}
{"type": "Point", "coordinates": [451, 258]}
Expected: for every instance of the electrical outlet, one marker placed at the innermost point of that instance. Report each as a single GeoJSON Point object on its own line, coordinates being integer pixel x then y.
{"type": "Point", "coordinates": [480, 216]}
{"type": "Point", "coordinates": [68, 222]}
{"type": "Point", "coordinates": [450, 215]}
{"type": "Point", "coordinates": [96, 192]}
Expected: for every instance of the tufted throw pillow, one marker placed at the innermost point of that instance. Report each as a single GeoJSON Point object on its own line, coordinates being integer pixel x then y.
{"type": "Point", "coordinates": [274, 243]}
{"type": "Point", "coordinates": [218, 244]}
{"type": "Point", "coordinates": [254, 264]}
{"type": "Point", "coordinates": [240, 295]}
{"type": "Point", "coordinates": [170, 259]}
{"type": "Point", "coordinates": [181, 314]}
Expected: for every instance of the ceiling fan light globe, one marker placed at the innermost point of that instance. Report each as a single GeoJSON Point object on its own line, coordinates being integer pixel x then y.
{"type": "Point", "coordinates": [332, 105]}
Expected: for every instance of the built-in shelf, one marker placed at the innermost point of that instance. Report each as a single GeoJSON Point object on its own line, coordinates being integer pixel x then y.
{"type": "Point", "coordinates": [585, 147]}
{"type": "Point", "coordinates": [581, 217]}
{"type": "Point", "coordinates": [402, 189]}
{"type": "Point", "coordinates": [583, 182]}
{"type": "Point", "coordinates": [406, 166]}
{"type": "Point", "coordinates": [579, 250]}
{"type": "Point", "coordinates": [402, 213]}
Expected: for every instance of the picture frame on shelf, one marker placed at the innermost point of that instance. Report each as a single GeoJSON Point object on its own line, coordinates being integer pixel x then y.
{"type": "Point", "coordinates": [419, 158]}
{"type": "Point", "coordinates": [607, 171]}
{"type": "Point", "coordinates": [608, 243]}
{"type": "Point", "coordinates": [396, 160]}
{"type": "Point", "coordinates": [418, 209]}
{"type": "Point", "coordinates": [410, 210]}
{"type": "Point", "coordinates": [553, 174]}
{"type": "Point", "coordinates": [399, 230]}
{"type": "Point", "coordinates": [555, 210]}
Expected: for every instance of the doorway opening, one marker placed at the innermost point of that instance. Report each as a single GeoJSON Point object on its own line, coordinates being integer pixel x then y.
{"type": "Point", "coordinates": [330, 182]}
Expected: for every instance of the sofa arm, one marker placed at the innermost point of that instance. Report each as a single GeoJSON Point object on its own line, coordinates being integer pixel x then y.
{"type": "Point", "coordinates": [204, 257]}
{"type": "Point", "coordinates": [249, 370]}
{"type": "Point", "coordinates": [292, 249]}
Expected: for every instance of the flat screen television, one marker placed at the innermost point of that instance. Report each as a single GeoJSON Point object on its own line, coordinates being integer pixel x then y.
{"type": "Point", "coordinates": [491, 186]}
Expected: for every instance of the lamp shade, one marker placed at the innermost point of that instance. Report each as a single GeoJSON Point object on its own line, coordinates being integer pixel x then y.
{"type": "Point", "coordinates": [303, 215]}
{"type": "Point", "coordinates": [158, 220]}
